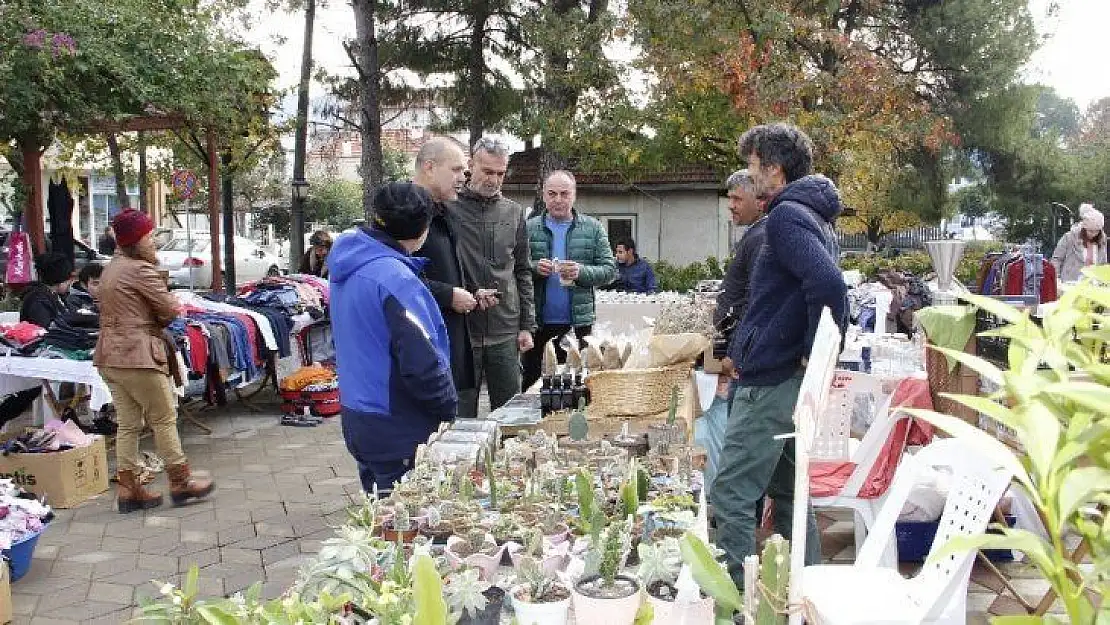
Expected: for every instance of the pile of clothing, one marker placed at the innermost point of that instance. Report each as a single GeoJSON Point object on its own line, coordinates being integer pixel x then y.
{"type": "Point", "coordinates": [22, 337]}
{"type": "Point", "coordinates": [294, 294]}
{"type": "Point", "coordinates": [21, 514]}
{"type": "Point", "coordinates": [309, 395]}
{"type": "Point", "coordinates": [72, 336]}
{"type": "Point", "coordinates": [54, 436]}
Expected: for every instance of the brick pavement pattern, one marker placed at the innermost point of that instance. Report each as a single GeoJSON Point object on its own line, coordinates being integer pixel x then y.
{"type": "Point", "coordinates": [280, 491]}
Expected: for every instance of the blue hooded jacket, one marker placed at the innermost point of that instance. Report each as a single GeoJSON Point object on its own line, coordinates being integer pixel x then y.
{"type": "Point", "coordinates": [796, 275]}
{"type": "Point", "coordinates": [391, 348]}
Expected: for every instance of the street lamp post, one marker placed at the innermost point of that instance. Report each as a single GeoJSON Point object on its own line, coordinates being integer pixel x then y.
{"type": "Point", "coordinates": [296, 226]}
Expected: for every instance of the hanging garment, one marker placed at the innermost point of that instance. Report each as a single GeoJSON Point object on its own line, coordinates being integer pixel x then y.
{"type": "Point", "coordinates": [59, 203]}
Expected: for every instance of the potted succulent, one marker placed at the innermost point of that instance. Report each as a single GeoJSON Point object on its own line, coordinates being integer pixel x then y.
{"type": "Point", "coordinates": [552, 558]}
{"type": "Point", "coordinates": [401, 527]}
{"type": "Point", "coordinates": [607, 598]}
{"type": "Point", "coordinates": [552, 525]}
{"type": "Point", "coordinates": [435, 527]}
{"type": "Point", "coordinates": [539, 599]}
{"type": "Point", "coordinates": [660, 567]}
{"type": "Point", "coordinates": [477, 549]}
{"type": "Point", "coordinates": [475, 601]}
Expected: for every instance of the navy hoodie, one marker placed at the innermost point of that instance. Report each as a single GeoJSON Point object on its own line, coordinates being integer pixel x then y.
{"type": "Point", "coordinates": [391, 348]}
{"type": "Point", "coordinates": [795, 276]}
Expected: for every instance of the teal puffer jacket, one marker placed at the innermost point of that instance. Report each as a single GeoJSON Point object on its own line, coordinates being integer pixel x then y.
{"type": "Point", "coordinates": [587, 245]}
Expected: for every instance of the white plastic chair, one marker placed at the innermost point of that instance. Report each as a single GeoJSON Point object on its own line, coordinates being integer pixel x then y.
{"type": "Point", "coordinates": [832, 443]}
{"type": "Point", "coordinates": [864, 593]}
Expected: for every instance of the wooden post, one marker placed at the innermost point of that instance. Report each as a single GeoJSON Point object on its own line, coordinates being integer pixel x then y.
{"type": "Point", "coordinates": [214, 212]}
{"type": "Point", "coordinates": [33, 220]}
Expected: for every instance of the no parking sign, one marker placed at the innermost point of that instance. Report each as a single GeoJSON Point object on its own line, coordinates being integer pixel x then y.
{"type": "Point", "coordinates": [184, 184]}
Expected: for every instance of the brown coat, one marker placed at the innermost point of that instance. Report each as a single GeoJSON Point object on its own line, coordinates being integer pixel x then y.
{"type": "Point", "coordinates": [135, 306]}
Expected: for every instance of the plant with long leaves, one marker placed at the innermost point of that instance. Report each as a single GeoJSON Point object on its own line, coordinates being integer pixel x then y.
{"type": "Point", "coordinates": [1055, 398]}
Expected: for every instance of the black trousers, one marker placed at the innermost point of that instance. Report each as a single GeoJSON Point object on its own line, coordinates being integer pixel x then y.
{"type": "Point", "coordinates": [533, 358]}
{"type": "Point", "coordinates": [18, 403]}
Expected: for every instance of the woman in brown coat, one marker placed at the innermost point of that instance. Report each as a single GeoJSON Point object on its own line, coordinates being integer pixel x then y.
{"type": "Point", "coordinates": [133, 359]}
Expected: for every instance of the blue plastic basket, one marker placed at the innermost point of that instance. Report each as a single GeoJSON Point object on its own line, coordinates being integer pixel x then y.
{"type": "Point", "coordinates": [20, 554]}
{"type": "Point", "coordinates": [915, 538]}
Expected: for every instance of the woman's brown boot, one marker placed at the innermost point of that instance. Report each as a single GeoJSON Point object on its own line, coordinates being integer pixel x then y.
{"type": "Point", "coordinates": [183, 486]}
{"type": "Point", "coordinates": [132, 495]}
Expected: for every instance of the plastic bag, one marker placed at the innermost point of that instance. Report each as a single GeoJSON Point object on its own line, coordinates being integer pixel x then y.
{"type": "Point", "coordinates": [19, 259]}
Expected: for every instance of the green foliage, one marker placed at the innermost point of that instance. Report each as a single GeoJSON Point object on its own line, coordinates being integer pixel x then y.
{"type": "Point", "coordinates": [774, 578]}
{"type": "Point", "coordinates": [918, 263]}
{"type": "Point", "coordinates": [612, 552]}
{"type": "Point", "coordinates": [491, 476]}
{"type": "Point", "coordinates": [711, 576]}
{"type": "Point", "coordinates": [1059, 416]}
{"type": "Point", "coordinates": [682, 279]}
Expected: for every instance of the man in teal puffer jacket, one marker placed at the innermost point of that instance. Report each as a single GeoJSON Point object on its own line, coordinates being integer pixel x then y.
{"type": "Point", "coordinates": [570, 258]}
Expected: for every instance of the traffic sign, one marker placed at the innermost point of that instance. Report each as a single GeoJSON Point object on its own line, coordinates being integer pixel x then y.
{"type": "Point", "coordinates": [184, 184]}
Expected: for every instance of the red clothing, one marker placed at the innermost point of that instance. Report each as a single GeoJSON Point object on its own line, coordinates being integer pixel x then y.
{"type": "Point", "coordinates": [198, 349]}
{"type": "Point", "coordinates": [1015, 280]}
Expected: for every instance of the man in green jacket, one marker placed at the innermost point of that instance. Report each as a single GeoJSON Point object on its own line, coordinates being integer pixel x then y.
{"type": "Point", "coordinates": [493, 250]}
{"type": "Point", "coordinates": [571, 257]}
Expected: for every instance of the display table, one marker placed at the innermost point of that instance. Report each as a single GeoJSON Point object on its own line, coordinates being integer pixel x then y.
{"type": "Point", "coordinates": [627, 317]}
{"type": "Point", "coordinates": [18, 373]}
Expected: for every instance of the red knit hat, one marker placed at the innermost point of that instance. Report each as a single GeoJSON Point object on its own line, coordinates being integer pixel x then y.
{"type": "Point", "coordinates": [131, 225]}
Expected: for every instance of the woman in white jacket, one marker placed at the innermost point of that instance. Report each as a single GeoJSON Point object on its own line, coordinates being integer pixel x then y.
{"type": "Point", "coordinates": [1082, 246]}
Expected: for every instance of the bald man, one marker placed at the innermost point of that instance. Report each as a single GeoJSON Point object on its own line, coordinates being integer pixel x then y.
{"type": "Point", "coordinates": [441, 169]}
{"type": "Point", "coordinates": [571, 257]}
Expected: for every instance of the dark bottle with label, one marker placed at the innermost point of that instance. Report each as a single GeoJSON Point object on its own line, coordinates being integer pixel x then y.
{"type": "Point", "coordinates": [570, 401]}
{"type": "Point", "coordinates": [581, 393]}
{"type": "Point", "coordinates": [556, 393]}
{"type": "Point", "coordinates": [545, 397]}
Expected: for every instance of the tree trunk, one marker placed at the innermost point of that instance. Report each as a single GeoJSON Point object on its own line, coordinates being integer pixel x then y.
{"type": "Point", "coordinates": [369, 92]}
{"type": "Point", "coordinates": [144, 200]}
{"type": "Point", "coordinates": [33, 219]}
{"type": "Point", "coordinates": [875, 232]}
{"type": "Point", "coordinates": [117, 170]}
{"type": "Point", "coordinates": [476, 73]}
{"type": "Point", "coordinates": [228, 192]}
{"type": "Point", "coordinates": [300, 142]}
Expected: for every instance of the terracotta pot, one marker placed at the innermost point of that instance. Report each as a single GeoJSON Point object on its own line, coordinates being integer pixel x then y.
{"type": "Point", "coordinates": [553, 613]}
{"type": "Point", "coordinates": [603, 611]}
{"type": "Point", "coordinates": [390, 535]}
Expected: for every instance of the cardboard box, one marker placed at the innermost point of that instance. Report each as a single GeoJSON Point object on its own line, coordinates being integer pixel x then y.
{"type": "Point", "coordinates": [65, 478]}
{"type": "Point", "coordinates": [5, 594]}
{"type": "Point", "coordinates": [709, 363]}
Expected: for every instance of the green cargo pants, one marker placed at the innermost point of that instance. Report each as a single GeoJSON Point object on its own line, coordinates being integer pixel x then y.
{"type": "Point", "coordinates": [497, 365]}
{"type": "Point", "coordinates": [754, 464]}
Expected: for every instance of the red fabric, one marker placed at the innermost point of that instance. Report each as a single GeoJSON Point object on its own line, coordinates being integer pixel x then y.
{"type": "Point", "coordinates": [1015, 280]}
{"type": "Point", "coordinates": [24, 332]}
{"type": "Point", "coordinates": [198, 349]}
{"type": "Point", "coordinates": [827, 478]}
{"type": "Point", "coordinates": [131, 226]}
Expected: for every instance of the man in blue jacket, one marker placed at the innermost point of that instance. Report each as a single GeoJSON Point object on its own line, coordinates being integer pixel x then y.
{"type": "Point", "coordinates": [391, 344]}
{"type": "Point", "coordinates": [634, 274]}
{"type": "Point", "coordinates": [796, 275]}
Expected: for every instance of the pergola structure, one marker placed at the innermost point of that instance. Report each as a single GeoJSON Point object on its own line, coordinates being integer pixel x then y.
{"type": "Point", "coordinates": [32, 177]}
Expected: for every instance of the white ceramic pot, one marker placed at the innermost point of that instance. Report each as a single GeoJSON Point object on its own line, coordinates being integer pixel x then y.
{"type": "Point", "coordinates": [669, 612]}
{"type": "Point", "coordinates": [554, 613]}
{"type": "Point", "coordinates": [487, 565]}
{"type": "Point", "coordinates": [555, 557]}
{"type": "Point", "coordinates": [594, 611]}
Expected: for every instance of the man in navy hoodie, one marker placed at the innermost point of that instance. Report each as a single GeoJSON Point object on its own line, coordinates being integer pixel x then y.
{"type": "Point", "coordinates": [391, 345]}
{"type": "Point", "coordinates": [796, 275]}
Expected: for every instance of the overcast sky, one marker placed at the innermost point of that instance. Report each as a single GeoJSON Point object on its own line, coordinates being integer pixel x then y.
{"type": "Point", "coordinates": [1073, 59]}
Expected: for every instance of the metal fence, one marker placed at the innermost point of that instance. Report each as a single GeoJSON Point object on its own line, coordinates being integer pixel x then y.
{"type": "Point", "coordinates": [906, 240]}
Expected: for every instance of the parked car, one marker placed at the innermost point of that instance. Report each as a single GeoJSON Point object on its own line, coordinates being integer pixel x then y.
{"type": "Point", "coordinates": [83, 254]}
{"type": "Point", "coordinates": [189, 262]}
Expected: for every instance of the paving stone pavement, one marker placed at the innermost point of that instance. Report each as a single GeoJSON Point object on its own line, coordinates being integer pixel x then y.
{"type": "Point", "coordinates": [279, 492]}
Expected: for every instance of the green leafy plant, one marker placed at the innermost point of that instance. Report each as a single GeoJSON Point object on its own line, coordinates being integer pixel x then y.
{"type": "Point", "coordinates": [612, 553]}
{"type": "Point", "coordinates": [661, 561]}
{"type": "Point", "coordinates": [491, 477]}
{"type": "Point", "coordinates": [578, 427]}
{"type": "Point", "coordinates": [464, 593]}
{"type": "Point", "coordinates": [1055, 400]}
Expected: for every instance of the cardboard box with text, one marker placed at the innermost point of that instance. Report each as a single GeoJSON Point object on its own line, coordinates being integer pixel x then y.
{"type": "Point", "coordinates": [65, 478]}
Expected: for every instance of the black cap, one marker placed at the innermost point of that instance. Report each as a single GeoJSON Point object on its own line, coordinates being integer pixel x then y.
{"type": "Point", "coordinates": [402, 210]}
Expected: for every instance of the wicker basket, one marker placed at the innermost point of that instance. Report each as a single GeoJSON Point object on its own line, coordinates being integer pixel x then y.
{"type": "Point", "coordinates": [961, 380]}
{"type": "Point", "coordinates": [635, 392]}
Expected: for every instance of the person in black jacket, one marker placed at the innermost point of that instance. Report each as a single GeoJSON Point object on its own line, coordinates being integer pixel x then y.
{"type": "Point", "coordinates": [746, 210]}
{"type": "Point", "coordinates": [441, 169]}
{"type": "Point", "coordinates": [43, 301]}
{"type": "Point", "coordinates": [85, 293]}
